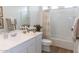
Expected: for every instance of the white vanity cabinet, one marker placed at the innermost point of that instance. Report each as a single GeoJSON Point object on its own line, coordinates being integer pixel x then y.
{"type": "Point", "coordinates": [32, 45]}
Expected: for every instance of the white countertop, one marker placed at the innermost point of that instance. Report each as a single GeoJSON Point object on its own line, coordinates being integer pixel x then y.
{"type": "Point", "coordinates": [10, 42]}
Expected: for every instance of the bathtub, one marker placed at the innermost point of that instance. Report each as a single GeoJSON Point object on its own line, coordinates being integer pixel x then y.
{"type": "Point", "coordinates": [62, 43]}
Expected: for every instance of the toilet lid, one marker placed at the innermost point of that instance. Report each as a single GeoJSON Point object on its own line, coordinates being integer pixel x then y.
{"type": "Point", "coordinates": [46, 41]}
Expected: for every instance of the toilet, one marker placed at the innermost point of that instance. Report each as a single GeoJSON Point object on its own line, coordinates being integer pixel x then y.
{"type": "Point", "coordinates": [46, 43]}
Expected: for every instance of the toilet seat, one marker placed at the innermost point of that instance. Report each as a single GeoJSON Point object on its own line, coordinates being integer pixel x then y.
{"type": "Point", "coordinates": [46, 42]}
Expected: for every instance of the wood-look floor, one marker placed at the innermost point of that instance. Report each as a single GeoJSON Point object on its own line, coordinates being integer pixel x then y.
{"type": "Point", "coordinates": [55, 49]}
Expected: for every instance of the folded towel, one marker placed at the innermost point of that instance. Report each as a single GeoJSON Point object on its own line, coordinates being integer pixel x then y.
{"type": "Point", "coordinates": [75, 28]}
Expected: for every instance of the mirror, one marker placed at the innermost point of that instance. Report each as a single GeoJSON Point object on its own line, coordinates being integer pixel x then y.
{"type": "Point", "coordinates": [28, 15]}
{"type": "Point", "coordinates": [24, 15]}
{"type": "Point", "coordinates": [12, 14]}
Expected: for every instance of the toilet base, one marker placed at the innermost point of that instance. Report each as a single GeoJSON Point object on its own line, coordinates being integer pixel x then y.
{"type": "Point", "coordinates": [46, 48]}
{"type": "Point", "coordinates": [46, 45]}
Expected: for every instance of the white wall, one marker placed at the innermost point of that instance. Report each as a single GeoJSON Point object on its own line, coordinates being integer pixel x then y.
{"type": "Point", "coordinates": [62, 21]}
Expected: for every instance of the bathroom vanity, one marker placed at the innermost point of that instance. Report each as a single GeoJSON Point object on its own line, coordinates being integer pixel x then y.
{"type": "Point", "coordinates": [21, 43]}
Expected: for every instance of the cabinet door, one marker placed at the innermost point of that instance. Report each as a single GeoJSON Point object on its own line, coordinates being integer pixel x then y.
{"type": "Point", "coordinates": [35, 45]}
{"type": "Point", "coordinates": [38, 43]}
{"type": "Point", "coordinates": [21, 48]}
{"type": "Point", "coordinates": [17, 50]}
{"type": "Point", "coordinates": [31, 47]}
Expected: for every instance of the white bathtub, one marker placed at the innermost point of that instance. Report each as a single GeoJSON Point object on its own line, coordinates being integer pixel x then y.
{"type": "Point", "coordinates": [62, 43]}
